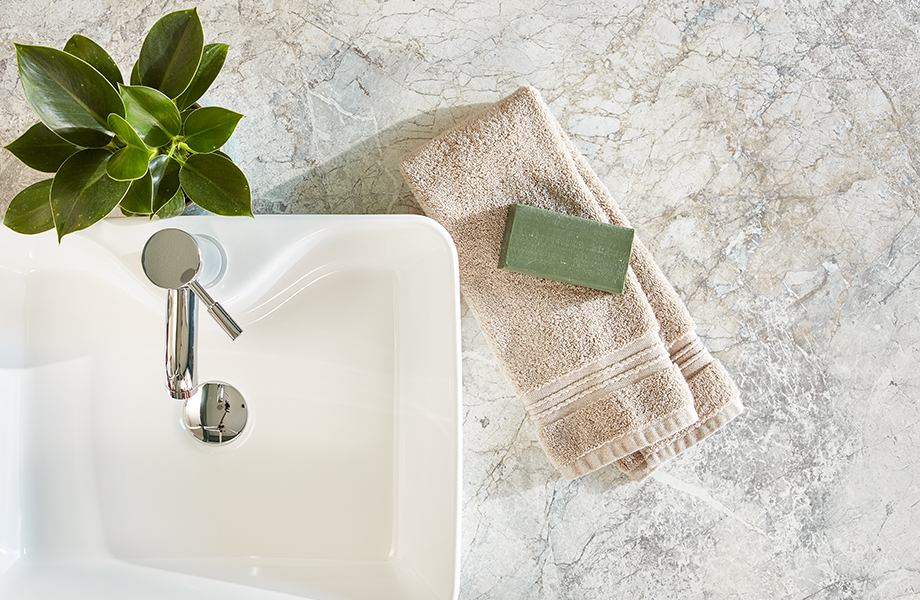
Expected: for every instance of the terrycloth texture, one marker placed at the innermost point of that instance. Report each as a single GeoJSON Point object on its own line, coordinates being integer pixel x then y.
{"type": "Point", "coordinates": [591, 368]}
{"type": "Point", "coordinates": [716, 398]}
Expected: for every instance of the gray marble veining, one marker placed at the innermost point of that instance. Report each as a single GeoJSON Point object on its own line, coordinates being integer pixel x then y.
{"type": "Point", "coordinates": [767, 152]}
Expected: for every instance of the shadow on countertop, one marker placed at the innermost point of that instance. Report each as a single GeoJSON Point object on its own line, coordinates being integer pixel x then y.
{"type": "Point", "coordinates": [365, 179]}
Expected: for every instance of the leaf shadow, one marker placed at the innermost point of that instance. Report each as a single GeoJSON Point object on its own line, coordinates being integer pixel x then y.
{"type": "Point", "coordinates": [364, 179]}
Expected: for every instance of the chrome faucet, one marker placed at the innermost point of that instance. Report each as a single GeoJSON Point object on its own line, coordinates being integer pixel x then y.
{"type": "Point", "coordinates": [182, 264]}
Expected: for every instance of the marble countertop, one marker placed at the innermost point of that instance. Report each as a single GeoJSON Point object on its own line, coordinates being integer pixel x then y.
{"type": "Point", "coordinates": [767, 152]}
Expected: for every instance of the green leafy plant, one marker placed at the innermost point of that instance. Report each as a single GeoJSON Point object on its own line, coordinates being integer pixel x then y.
{"type": "Point", "coordinates": [144, 146]}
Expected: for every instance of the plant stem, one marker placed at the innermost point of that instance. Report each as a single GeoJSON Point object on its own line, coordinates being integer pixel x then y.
{"type": "Point", "coordinates": [172, 153]}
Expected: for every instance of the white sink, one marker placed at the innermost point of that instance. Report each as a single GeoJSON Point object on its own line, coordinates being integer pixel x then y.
{"type": "Point", "coordinates": [345, 482]}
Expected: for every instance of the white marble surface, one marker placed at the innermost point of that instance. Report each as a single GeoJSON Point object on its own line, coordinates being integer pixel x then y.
{"type": "Point", "coordinates": [767, 153]}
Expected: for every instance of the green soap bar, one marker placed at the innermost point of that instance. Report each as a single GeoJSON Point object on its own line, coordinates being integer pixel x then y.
{"type": "Point", "coordinates": [556, 246]}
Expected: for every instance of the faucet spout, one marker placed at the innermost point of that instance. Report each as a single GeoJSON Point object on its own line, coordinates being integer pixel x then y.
{"type": "Point", "coordinates": [181, 323]}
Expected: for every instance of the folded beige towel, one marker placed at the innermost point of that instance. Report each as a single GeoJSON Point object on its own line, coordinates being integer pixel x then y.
{"type": "Point", "coordinates": [716, 398]}
{"type": "Point", "coordinates": [591, 367]}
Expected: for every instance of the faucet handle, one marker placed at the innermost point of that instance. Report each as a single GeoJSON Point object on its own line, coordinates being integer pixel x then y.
{"type": "Point", "coordinates": [217, 311]}
{"type": "Point", "coordinates": [172, 260]}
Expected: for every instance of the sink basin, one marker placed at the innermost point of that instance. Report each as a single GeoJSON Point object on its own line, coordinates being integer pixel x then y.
{"type": "Point", "coordinates": [345, 482]}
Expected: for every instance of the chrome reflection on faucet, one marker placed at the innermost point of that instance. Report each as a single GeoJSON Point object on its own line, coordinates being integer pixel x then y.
{"type": "Point", "coordinates": [183, 264]}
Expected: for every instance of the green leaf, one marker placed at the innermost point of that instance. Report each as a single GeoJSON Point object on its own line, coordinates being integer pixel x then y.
{"type": "Point", "coordinates": [135, 76]}
{"type": "Point", "coordinates": [139, 198]}
{"type": "Point", "coordinates": [209, 128]}
{"type": "Point", "coordinates": [125, 132]}
{"type": "Point", "coordinates": [69, 96]}
{"type": "Point", "coordinates": [187, 113]}
{"type": "Point", "coordinates": [165, 174]}
{"type": "Point", "coordinates": [30, 211]}
{"type": "Point", "coordinates": [152, 114]}
{"type": "Point", "coordinates": [172, 52]}
{"type": "Point", "coordinates": [173, 208]}
{"type": "Point", "coordinates": [96, 56]}
{"type": "Point", "coordinates": [82, 193]}
{"type": "Point", "coordinates": [130, 162]}
{"type": "Point", "coordinates": [212, 61]}
{"type": "Point", "coordinates": [41, 149]}
{"type": "Point", "coordinates": [216, 185]}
